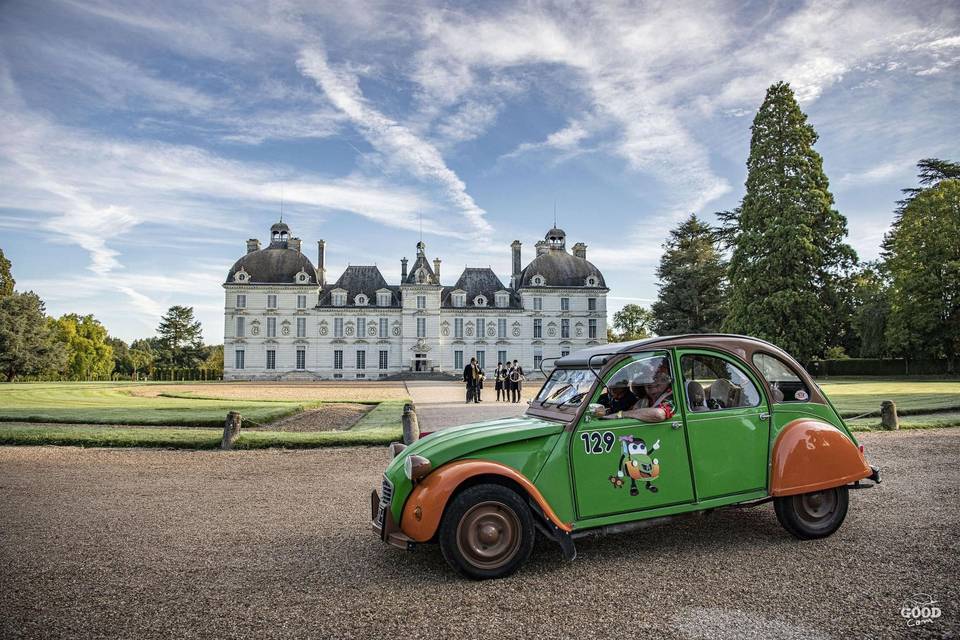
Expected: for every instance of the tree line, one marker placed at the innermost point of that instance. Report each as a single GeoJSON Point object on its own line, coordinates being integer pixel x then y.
{"type": "Point", "coordinates": [35, 346]}
{"type": "Point", "coordinates": [778, 267]}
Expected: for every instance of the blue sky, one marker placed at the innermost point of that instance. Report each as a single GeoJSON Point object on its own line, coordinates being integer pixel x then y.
{"type": "Point", "coordinates": [141, 143]}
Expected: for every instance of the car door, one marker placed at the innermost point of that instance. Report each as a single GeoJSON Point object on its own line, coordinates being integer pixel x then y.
{"type": "Point", "coordinates": [622, 465]}
{"type": "Point", "coordinates": [727, 424]}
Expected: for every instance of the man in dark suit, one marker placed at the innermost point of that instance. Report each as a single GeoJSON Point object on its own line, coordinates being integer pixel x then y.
{"type": "Point", "coordinates": [471, 377]}
{"type": "Point", "coordinates": [518, 384]}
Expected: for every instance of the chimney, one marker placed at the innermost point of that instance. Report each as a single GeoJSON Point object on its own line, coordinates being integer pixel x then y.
{"type": "Point", "coordinates": [294, 243]}
{"type": "Point", "coordinates": [515, 247]}
{"type": "Point", "coordinates": [322, 263]}
{"type": "Point", "coordinates": [436, 268]}
{"type": "Point", "coordinates": [403, 269]}
{"type": "Point", "coordinates": [542, 247]}
{"type": "Point", "coordinates": [580, 250]}
{"type": "Point", "coordinates": [253, 245]}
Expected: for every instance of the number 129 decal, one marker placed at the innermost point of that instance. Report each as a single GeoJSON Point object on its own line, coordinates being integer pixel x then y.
{"type": "Point", "coordinates": [597, 442]}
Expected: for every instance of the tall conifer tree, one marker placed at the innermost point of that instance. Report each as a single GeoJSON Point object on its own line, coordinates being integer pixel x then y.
{"type": "Point", "coordinates": [692, 278]}
{"type": "Point", "coordinates": [789, 252]}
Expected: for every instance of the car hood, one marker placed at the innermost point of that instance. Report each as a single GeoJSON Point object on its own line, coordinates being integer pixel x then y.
{"type": "Point", "coordinates": [445, 445]}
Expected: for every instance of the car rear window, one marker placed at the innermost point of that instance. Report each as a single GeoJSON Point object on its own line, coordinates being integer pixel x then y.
{"type": "Point", "coordinates": [785, 384]}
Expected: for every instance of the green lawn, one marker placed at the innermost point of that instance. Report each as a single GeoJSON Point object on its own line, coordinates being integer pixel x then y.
{"type": "Point", "coordinates": [855, 396]}
{"type": "Point", "coordinates": [114, 403]}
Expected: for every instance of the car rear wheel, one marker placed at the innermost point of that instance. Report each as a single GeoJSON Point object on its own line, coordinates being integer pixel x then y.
{"type": "Point", "coordinates": [487, 532]}
{"type": "Point", "coordinates": [813, 515]}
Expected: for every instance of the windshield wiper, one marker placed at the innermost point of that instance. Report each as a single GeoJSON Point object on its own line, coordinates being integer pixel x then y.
{"type": "Point", "coordinates": [556, 393]}
{"type": "Point", "coordinates": [571, 399]}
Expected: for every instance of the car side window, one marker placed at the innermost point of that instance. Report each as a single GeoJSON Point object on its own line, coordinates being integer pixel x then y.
{"type": "Point", "coordinates": [714, 384]}
{"type": "Point", "coordinates": [785, 385]}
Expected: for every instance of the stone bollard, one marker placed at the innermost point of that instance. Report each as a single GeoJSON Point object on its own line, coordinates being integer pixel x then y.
{"type": "Point", "coordinates": [411, 427]}
{"type": "Point", "coordinates": [888, 415]}
{"type": "Point", "coordinates": [231, 429]}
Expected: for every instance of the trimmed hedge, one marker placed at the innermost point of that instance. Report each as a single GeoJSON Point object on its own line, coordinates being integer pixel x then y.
{"type": "Point", "coordinates": [880, 367]}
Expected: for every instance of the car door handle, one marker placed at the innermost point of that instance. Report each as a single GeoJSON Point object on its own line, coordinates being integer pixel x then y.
{"type": "Point", "coordinates": [765, 416]}
{"type": "Point", "coordinates": [676, 425]}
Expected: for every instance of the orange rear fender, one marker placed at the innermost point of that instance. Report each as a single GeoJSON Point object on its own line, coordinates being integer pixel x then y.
{"type": "Point", "coordinates": [425, 506]}
{"type": "Point", "coordinates": [811, 455]}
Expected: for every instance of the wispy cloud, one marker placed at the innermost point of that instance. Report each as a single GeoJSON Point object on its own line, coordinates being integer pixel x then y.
{"type": "Point", "coordinates": [400, 147]}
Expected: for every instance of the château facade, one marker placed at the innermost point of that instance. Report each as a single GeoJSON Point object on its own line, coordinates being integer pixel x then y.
{"type": "Point", "coordinates": [284, 320]}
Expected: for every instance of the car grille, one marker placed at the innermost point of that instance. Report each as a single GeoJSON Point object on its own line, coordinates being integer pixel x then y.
{"type": "Point", "coordinates": [386, 497]}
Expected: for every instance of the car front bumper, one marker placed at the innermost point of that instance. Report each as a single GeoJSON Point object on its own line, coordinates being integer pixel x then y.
{"type": "Point", "coordinates": [382, 523]}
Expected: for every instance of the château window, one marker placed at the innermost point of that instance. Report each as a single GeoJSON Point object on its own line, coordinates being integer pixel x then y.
{"type": "Point", "coordinates": [480, 301]}
{"type": "Point", "coordinates": [338, 359]}
{"type": "Point", "coordinates": [241, 326]}
{"type": "Point", "coordinates": [271, 359]}
{"type": "Point", "coordinates": [271, 327]}
{"type": "Point", "coordinates": [338, 327]}
{"type": "Point", "coordinates": [502, 300]}
{"type": "Point", "coordinates": [459, 299]}
{"type": "Point", "coordinates": [480, 328]}
{"type": "Point", "coordinates": [458, 360]}
{"type": "Point", "coordinates": [301, 358]}
{"type": "Point", "coordinates": [501, 356]}
{"type": "Point", "coordinates": [421, 327]}
{"type": "Point", "coordinates": [241, 301]}
{"type": "Point", "coordinates": [538, 280]}
{"type": "Point", "coordinates": [384, 359]}
{"type": "Point", "coordinates": [538, 304]}
{"type": "Point", "coordinates": [339, 299]}
{"type": "Point", "coordinates": [501, 327]}
{"type": "Point", "coordinates": [458, 327]}
{"type": "Point", "coordinates": [564, 304]}
{"type": "Point", "coordinates": [565, 328]}
{"type": "Point", "coordinates": [591, 304]}
{"type": "Point", "coordinates": [361, 359]}
{"type": "Point", "coordinates": [383, 327]}
{"type": "Point", "coordinates": [537, 360]}
{"type": "Point", "coordinates": [238, 359]}
{"type": "Point", "coordinates": [361, 327]}
{"type": "Point", "coordinates": [301, 302]}
{"type": "Point", "coordinates": [383, 299]}
{"type": "Point", "coordinates": [537, 328]}
{"type": "Point", "coordinates": [421, 302]}
{"type": "Point", "coordinates": [592, 328]}
{"type": "Point", "coordinates": [360, 300]}
{"type": "Point", "coordinates": [301, 327]}
{"type": "Point", "coordinates": [272, 301]}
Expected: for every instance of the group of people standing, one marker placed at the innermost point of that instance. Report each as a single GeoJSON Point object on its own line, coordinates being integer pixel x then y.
{"type": "Point", "coordinates": [508, 381]}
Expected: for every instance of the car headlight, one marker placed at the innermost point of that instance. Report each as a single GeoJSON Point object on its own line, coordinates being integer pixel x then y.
{"type": "Point", "coordinates": [415, 467]}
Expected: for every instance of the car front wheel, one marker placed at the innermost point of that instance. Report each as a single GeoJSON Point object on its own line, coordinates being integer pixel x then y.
{"type": "Point", "coordinates": [487, 532]}
{"type": "Point", "coordinates": [813, 515]}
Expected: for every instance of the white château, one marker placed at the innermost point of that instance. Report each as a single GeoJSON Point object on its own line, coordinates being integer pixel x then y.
{"type": "Point", "coordinates": [284, 320]}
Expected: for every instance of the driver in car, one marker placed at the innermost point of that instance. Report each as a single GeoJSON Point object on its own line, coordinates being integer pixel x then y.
{"type": "Point", "coordinates": [618, 397]}
{"type": "Point", "coordinates": [653, 388]}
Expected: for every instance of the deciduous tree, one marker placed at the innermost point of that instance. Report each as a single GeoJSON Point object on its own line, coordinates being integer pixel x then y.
{"type": "Point", "coordinates": [6, 278]}
{"type": "Point", "coordinates": [89, 356]}
{"type": "Point", "coordinates": [789, 252]}
{"type": "Point", "coordinates": [692, 278]}
{"type": "Point", "coordinates": [631, 323]}
{"type": "Point", "coordinates": [922, 254]}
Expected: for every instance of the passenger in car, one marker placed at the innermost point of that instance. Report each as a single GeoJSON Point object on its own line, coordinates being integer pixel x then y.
{"type": "Point", "coordinates": [618, 397]}
{"type": "Point", "coordinates": [653, 388]}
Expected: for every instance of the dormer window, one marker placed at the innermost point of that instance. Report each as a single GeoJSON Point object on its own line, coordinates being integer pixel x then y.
{"type": "Point", "coordinates": [592, 281]}
{"type": "Point", "coordinates": [303, 278]}
{"type": "Point", "coordinates": [360, 300]}
{"type": "Point", "coordinates": [538, 280]}
{"type": "Point", "coordinates": [339, 298]}
{"type": "Point", "coordinates": [383, 299]}
{"type": "Point", "coordinates": [459, 299]}
{"type": "Point", "coordinates": [503, 300]}
{"type": "Point", "coordinates": [241, 276]}
{"type": "Point", "coordinates": [480, 301]}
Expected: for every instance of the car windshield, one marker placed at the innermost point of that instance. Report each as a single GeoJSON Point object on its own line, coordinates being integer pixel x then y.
{"type": "Point", "coordinates": [566, 389]}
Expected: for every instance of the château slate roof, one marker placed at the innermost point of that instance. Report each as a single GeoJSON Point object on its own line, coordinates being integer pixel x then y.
{"type": "Point", "coordinates": [274, 265]}
{"type": "Point", "coordinates": [475, 282]}
{"type": "Point", "coordinates": [360, 279]}
{"type": "Point", "coordinates": [560, 269]}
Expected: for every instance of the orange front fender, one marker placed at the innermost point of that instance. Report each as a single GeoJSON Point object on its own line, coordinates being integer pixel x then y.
{"type": "Point", "coordinates": [810, 455]}
{"type": "Point", "coordinates": [424, 508]}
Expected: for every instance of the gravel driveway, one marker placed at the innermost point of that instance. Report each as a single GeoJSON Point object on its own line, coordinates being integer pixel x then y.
{"type": "Point", "coordinates": [141, 543]}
